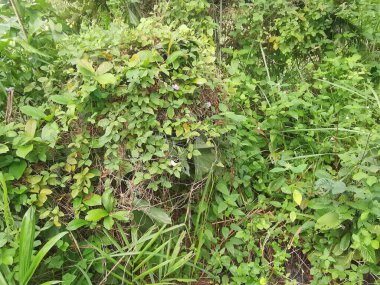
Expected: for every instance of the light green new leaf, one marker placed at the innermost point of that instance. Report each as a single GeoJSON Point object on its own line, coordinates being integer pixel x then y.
{"type": "Point", "coordinates": [106, 78]}
{"type": "Point", "coordinates": [297, 197]}
{"type": "Point", "coordinates": [328, 221]}
{"type": "Point", "coordinates": [95, 215]}
{"type": "Point", "coordinates": [3, 148]}
{"type": "Point", "coordinates": [76, 224]}
{"type": "Point", "coordinates": [23, 151]}
{"type": "Point", "coordinates": [30, 127]}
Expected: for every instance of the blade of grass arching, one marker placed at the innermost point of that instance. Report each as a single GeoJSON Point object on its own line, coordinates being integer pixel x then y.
{"type": "Point", "coordinates": [51, 282]}
{"type": "Point", "coordinates": [6, 272]}
{"type": "Point", "coordinates": [109, 257]}
{"type": "Point", "coordinates": [28, 226]}
{"type": "Point", "coordinates": [176, 250]}
{"type": "Point", "coordinates": [40, 255]}
{"type": "Point", "coordinates": [149, 244]}
{"type": "Point", "coordinates": [352, 90]}
{"type": "Point", "coordinates": [376, 97]}
{"type": "Point", "coordinates": [150, 256]}
{"type": "Point", "coordinates": [145, 238]}
{"type": "Point", "coordinates": [153, 269]}
{"type": "Point", "coordinates": [112, 240]}
{"type": "Point", "coordinates": [2, 280]}
{"type": "Point", "coordinates": [167, 256]}
{"type": "Point", "coordinates": [118, 277]}
{"type": "Point", "coordinates": [199, 228]}
{"type": "Point", "coordinates": [181, 262]}
{"type": "Point", "coordinates": [122, 233]}
{"type": "Point", "coordinates": [88, 279]}
{"type": "Point", "coordinates": [7, 212]}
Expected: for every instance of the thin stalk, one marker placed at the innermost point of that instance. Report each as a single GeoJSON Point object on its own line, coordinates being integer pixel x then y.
{"type": "Point", "coordinates": [18, 16]}
{"type": "Point", "coordinates": [265, 61]}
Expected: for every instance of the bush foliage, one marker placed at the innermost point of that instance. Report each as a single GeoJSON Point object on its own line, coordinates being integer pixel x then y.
{"type": "Point", "coordinates": [189, 142]}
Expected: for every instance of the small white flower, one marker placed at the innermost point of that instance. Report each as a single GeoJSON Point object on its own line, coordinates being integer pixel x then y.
{"type": "Point", "coordinates": [208, 105]}
{"type": "Point", "coordinates": [173, 163]}
{"type": "Point", "coordinates": [347, 117]}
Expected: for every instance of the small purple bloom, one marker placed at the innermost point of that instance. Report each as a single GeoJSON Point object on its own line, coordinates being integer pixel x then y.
{"type": "Point", "coordinates": [175, 87]}
{"type": "Point", "coordinates": [208, 105]}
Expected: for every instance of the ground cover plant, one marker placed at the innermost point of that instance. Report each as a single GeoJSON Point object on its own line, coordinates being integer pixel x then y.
{"type": "Point", "coordinates": [189, 142]}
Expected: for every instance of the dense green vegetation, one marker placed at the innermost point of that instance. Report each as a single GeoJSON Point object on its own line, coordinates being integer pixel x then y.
{"type": "Point", "coordinates": [189, 142]}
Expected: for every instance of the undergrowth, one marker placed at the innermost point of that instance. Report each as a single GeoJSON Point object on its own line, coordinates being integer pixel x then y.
{"type": "Point", "coordinates": [189, 142]}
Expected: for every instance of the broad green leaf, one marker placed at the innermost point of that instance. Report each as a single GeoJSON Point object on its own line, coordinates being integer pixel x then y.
{"type": "Point", "coordinates": [94, 200]}
{"type": "Point", "coordinates": [3, 148]}
{"type": "Point", "coordinates": [338, 187]}
{"type": "Point", "coordinates": [108, 200]}
{"type": "Point", "coordinates": [76, 224]}
{"type": "Point", "coordinates": [62, 99]}
{"type": "Point", "coordinates": [50, 133]}
{"type": "Point", "coordinates": [171, 58]}
{"type": "Point", "coordinates": [170, 112]}
{"type": "Point", "coordinates": [22, 151]}
{"type": "Point", "coordinates": [106, 78]}
{"type": "Point", "coordinates": [121, 215]}
{"type": "Point", "coordinates": [34, 112]}
{"type": "Point", "coordinates": [85, 67]}
{"type": "Point", "coordinates": [328, 221]}
{"type": "Point", "coordinates": [222, 187]}
{"type": "Point", "coordinates": [30, 127]}
{"type": "Point", "coordinates": [345, 242]}
{"type": "Point", "coordinates": [96, 215]}
{"type": "Point", "coordinates": [200, 81]}
{"type": "Point", "coordinates": [297, 197]}
{"type": "Point", "coordinates": [17, 168]}
{"type": "Point", "coordinates": [108, 222]}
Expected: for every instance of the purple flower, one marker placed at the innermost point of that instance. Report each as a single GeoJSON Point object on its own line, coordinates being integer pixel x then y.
{"type": "Point", "coordinates": [175, 87]}
{"type": "Point", "coordinates": [208, 105]}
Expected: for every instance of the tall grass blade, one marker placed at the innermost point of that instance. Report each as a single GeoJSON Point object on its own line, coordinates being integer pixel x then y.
{"type": "Point", "coordinates": [40, 255]}
{"type": "Point", "coordinates": [27, 232]}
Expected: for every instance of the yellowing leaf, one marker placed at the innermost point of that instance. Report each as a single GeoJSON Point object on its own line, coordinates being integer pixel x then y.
{"type": "Point", "coordinates": [186, 127]}
{"type": "Point", "coordinates": [104, 67]}
{"type": "Point", "coordinates": [297, 197]}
